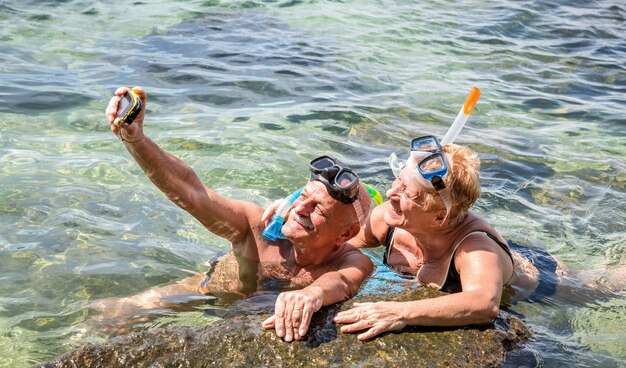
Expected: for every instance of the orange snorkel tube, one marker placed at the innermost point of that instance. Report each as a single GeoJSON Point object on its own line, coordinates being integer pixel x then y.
{"type": "Point", "coordinates": [462, 117]}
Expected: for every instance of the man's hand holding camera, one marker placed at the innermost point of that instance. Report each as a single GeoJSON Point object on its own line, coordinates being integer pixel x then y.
{"type": "Point", "coordinates": [125, 113]}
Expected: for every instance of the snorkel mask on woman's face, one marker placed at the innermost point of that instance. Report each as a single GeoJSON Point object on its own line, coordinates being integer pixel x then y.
{"type": "Point", "coordinates": [431, 165]}
{"type": "Point", "coordinates": [340, 181]}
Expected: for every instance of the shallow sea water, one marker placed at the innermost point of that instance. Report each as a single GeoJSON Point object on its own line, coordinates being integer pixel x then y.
{"type": "Point", "coordinates": [247, 92]}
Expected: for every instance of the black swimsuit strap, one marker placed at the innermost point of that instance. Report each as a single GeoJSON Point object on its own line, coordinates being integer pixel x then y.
{"type": "Point", "coordinates": [453, 279]}
{"type": "Point", "coordinates": [388, 240]}
{"type": "Point", "coordinates": [391, 230]}
{"type": "Point", "coordinates": [504, 246]}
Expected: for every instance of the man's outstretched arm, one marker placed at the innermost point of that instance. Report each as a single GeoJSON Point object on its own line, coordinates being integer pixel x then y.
{"type": "Point", "coordinates": [177, 180]}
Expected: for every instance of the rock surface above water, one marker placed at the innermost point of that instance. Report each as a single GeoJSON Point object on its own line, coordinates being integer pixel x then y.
{"type": "Point", "coordinates": [240, 341]}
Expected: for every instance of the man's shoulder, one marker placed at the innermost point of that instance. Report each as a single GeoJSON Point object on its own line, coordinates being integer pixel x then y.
{"type": "Point", "coordinates": [350, 253]}
{"type": "Point", "coordinates": [250, 208]}
{"type": "Point", "coordinates": [253, 212]}
{"type": "Point", "coordinates": [348, 248]}
{"type": "Point", "coordinates": [251, 239]}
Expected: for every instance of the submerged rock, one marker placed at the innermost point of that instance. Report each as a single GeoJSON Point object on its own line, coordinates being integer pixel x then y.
{"type": "Point", "coordinates": [240, 341]}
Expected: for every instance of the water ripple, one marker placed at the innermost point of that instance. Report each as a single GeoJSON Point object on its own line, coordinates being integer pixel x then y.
{"type": "Point", "coordinates": [248, 92]}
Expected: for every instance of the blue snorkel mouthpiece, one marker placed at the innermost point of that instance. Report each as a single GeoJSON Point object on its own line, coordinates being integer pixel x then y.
{"type": "Point", "coordinates": [273, 231]}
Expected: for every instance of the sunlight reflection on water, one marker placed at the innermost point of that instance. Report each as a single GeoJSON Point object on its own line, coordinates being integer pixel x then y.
{"type": "Point", "coordinates": [248, 92]}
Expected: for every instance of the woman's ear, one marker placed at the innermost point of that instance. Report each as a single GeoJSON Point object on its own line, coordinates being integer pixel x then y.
{"type": "Point", "coordinates": [440, 218]}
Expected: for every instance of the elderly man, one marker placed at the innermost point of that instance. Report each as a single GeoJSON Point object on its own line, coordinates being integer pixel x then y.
{"type": "Point", "coordinates": [313, 258]}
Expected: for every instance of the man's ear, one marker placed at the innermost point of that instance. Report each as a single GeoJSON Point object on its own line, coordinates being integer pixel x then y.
{"type": "Point", "coordinates": [348, 232]}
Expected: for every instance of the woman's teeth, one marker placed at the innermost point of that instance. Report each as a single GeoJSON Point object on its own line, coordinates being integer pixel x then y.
{"type": "Point", "coordinates": [396, 210]}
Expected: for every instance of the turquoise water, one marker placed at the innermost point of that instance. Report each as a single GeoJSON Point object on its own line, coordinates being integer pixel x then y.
{"type": "Point", "coordinates": [247, 92]}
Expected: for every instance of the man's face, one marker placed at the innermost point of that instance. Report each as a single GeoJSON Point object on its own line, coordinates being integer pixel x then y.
{"type": "Point", "coordinates": [315, 216]}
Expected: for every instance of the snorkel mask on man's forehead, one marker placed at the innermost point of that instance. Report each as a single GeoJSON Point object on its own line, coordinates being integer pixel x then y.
{"type": "Point", "coordinates": [427, 156]}
{"type": "Point", "coordinates": [341, 183]}
{"type": "Point", "coordinates": [432, 167]}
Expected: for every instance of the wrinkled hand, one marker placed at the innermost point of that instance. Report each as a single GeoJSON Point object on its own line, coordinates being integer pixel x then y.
{"type": "Point", "coordinates": [128, 133]}
{"type": "Point", "coordinates": [293, 313]}
{"type": "Point", "coordinates": [376, 318]}
{"type": "Point", "coordinates": [270, 211]}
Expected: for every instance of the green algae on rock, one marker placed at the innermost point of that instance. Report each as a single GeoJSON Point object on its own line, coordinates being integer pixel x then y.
{"type": "Point", "coordinates": [240, 341]}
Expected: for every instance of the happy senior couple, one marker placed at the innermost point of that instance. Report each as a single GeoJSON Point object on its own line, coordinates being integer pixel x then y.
{"type": "Point", "coordinates": [426, 226]}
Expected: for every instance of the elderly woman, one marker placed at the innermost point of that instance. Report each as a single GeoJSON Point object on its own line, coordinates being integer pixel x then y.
{"type": "Point", "coordinates": [431, 235]}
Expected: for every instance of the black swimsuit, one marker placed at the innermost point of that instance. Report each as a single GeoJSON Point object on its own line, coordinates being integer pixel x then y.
{"type": "Point", "coordinates": [453, 279]}
{"type": "Point", "coordinates": [545, 263]}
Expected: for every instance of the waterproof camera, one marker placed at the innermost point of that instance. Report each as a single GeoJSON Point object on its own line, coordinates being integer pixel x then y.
{"type": "Point", "coordinates": [129, 107]}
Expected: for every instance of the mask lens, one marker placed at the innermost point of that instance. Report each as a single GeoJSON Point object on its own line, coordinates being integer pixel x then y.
{"type": "Point", "coordinates": [322, 163]}
{"type": "Point", "coordinates": [432, 164]}
{"type": "Point", "coordinates": [345, 179]}
{"type": "Point", "coordinates": [427, 144]}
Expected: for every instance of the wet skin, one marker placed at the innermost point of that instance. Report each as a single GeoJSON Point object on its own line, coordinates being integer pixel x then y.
{"type": "Point", "coordinates": [315, 254]}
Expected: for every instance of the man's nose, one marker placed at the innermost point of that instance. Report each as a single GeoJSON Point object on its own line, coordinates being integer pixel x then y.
{"type": "Point", "coordinates": [304, 207]}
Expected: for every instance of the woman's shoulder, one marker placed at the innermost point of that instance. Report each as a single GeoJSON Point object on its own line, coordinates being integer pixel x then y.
{"type": "Point", "coordinates": [375, 230]}
{"type": "Point", "coordinates": [475, 220]}
{"type": "Point", "coordinates": [476, 233]}
{"type": "Point", "coordinates": [479, 237]}
{"type": "Point", "coordinates": [476, 226]}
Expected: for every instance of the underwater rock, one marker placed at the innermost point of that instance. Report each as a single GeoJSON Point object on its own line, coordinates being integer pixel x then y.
{"type": "Point", "coordinates": [240, 341]}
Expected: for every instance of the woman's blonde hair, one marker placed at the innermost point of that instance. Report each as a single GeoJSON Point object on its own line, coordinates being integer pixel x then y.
{"type": "Point", "coordinates": [462, 181]}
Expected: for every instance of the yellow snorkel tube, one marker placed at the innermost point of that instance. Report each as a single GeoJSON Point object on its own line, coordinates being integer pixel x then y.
{"type": "Point", "coordinates": [374, 194]}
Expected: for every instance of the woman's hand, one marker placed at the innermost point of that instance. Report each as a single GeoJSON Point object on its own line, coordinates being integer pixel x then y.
{"type": "Point", "coordinates": [293, 312]}
{"type": "Point", "coordinates": [127, 133]}
{"type": "Point", "coordinates": [375, 318]}
{"type": "Point", "coordinates": [270, 211]}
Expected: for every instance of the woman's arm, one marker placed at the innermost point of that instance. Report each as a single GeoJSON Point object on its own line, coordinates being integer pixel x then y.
{"type": "Point", "coordinates": [375, 230]}
{"type": "Point", "coordinates": [478, 302]}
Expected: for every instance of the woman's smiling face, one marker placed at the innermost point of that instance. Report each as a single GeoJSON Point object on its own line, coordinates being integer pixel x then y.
{"type": "Point", "coordinates": [406, 198]}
